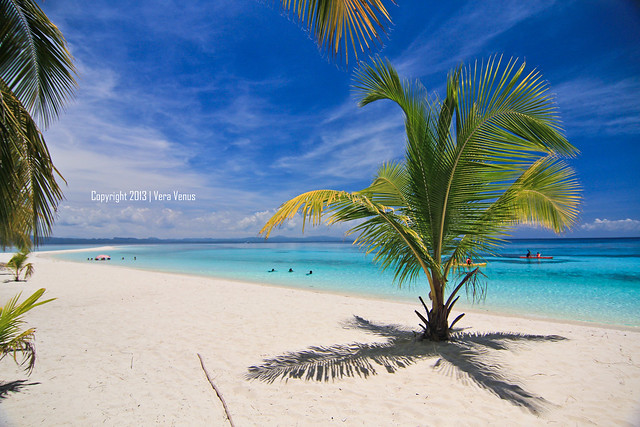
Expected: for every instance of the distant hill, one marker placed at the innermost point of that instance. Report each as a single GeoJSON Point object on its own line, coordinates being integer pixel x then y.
{"type": "Point", "coordinates": [154, 240]}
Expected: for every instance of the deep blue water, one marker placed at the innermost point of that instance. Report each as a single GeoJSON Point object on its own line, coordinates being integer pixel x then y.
{"type": "Point", "coordinates": [595, 280]}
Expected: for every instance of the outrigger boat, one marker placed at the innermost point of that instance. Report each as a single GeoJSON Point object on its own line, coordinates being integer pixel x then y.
{"type": "Point", "coordinates": [536, 257]}
{"type": "Point", "coordinates": [474, 264]}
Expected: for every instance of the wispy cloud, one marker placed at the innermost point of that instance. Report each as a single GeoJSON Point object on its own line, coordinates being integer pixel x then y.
{"type": "Point", "coordinates": [350, 144]}
{"type": "Point", "coordinates": [612, 225]}
{"type": "Point", "coordinates": [595, 106]}
{"type": "Point", "coordinates": [464, 35]}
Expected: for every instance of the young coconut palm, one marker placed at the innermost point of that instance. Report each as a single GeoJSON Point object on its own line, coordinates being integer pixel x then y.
{"type": "Point", "coordinates": [18, 263]}
{"type": "Point", "coordinates": [12, 339]}
{"type": "Point", "coordinates": [478, 163]}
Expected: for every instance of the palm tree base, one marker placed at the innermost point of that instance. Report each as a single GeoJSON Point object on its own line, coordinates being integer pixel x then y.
{"type": "Point", "coordinates": [436, 325]}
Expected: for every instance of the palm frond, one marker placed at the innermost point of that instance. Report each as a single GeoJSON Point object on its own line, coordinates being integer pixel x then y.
{"type": "Point", "coordinates": [389, 185]}
{"type": "Point", "coordinates": [547, 195]}
{"type": "Point", "coordinates": [34, 60]}
{"type": "Point", "coordinates": [313, 205]}
{"type": "Point", "coordinates": [12, 340]}
{"type": "Point", "coordinates": [508, 110]}
{"type": "Point", "coordinates": [29, 190]}
{"type": "Point", "coordinates": [395, 245]}
{"type": "Point", "coordinates": [342, 26]}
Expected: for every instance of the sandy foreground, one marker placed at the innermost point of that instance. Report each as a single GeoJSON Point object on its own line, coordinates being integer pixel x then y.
{"type": "Point", "coordinates": [119, 347]}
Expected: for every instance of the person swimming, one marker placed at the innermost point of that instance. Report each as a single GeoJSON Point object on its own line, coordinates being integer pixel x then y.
{"type": "Point", "coordinates": [272, 270]}
{"type": "Point", "coordinates": [310, 272]}
{"type": "Point", "coordinates": [291, 270]}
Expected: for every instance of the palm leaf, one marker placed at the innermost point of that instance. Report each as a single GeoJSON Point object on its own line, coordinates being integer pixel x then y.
{"type": "Point", "coordinates": [12, 340]}
{"type": "Point", "coordinates": [30, 193]}
{"type": "Point", "coordinates": [342, 26]}
{"type": "Point", "coordinates": [34, 61]}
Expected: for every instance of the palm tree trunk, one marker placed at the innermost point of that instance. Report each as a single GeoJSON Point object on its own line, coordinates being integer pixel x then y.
{"type": "Point", "coordinates": [439, 325]}
{"type": "Point", "coordinates": [436, 324]}
{"type": "Point", "coordinates": [436, 327]}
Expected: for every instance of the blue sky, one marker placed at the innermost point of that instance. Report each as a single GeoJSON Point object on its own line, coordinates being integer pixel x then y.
{"type": "Point", "coordinates": [234, 103]}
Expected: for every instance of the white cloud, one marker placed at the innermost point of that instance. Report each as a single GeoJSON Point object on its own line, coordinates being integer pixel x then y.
{"type": "Point", "coordinates": [233, 222]}
{"type": "Point", "coordinates": [169, 218]}
{"type": "Point", "coordinates": [612, 225]}
{"type": "Point", "coordinates": [255, 221]}
{"type": "Point", "coordinates": [78, 217]}
{"type": "Point", "coordinates": [133, 215]}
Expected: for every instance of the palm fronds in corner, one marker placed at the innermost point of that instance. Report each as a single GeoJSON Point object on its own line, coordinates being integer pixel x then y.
{"type": "Point", "coordinates": [13, 340]}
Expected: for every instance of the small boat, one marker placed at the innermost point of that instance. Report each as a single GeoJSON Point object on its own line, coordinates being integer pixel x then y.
{"type": "Point", "coordinates": [474, 264]}
{"type": "Point", "coordinates": [536, 257]}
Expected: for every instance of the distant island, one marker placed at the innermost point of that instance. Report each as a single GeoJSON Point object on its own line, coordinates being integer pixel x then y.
{"type": "Point", "coordinates": [275, 239]}
{"type": "Point", "coordinates": [153, 240]}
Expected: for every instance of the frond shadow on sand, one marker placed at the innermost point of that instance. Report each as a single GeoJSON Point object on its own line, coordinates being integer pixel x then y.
{"type": "Point", "coordinates": [466, 354]}
{"type": "Point", "coordinates": [13, 387]}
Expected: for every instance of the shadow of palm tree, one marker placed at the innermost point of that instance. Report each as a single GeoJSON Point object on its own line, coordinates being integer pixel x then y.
{"type": "Point", "coordinates": [13, 386]}
{"type": "Point", "coordinates": [466, 354]}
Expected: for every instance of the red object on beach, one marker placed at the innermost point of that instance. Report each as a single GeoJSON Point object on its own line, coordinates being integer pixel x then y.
{"type": "Point", "coordinates": [536, 257]}
{"type": "Point", "coordinates": [103, 258]}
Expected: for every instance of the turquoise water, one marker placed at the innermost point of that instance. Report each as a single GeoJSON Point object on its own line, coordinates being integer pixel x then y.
{"type": "Point", "coordinates": [594, 280]}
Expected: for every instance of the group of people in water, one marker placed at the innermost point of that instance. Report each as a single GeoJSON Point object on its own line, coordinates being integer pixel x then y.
{"type": "Point", "coordinates": [273, 270]}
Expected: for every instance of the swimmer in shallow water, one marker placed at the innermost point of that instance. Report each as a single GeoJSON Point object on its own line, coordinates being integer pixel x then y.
{"type": "Point", "coordinates": [291, 270]}
{"type": "Point", "coordinates": [309, 273]}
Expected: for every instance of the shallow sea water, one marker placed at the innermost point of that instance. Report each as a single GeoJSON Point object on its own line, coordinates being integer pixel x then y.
{"type": "Point", "coordinates": [594, 280]}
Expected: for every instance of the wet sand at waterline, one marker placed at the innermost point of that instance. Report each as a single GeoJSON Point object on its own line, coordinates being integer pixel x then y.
{"type": "Point", "coordinates": [120, 347]}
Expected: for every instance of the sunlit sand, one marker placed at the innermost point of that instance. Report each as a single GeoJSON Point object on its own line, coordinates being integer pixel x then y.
{"type": "Point", "coordinates": [120, 347]}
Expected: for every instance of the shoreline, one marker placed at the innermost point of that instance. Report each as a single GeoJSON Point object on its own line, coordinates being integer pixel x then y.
{"type": "Point", "coordinates": [119, 347]}
{"type": "Point", "coordinates": [462, 306]}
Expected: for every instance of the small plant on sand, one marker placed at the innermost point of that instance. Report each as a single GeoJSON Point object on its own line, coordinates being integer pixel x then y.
{"type": "Point", "coordinates": [13, 340]}
{"type": "Point", "coordinates": [18, 263]}
{"type": "Point", "coordinates": [486, 158]}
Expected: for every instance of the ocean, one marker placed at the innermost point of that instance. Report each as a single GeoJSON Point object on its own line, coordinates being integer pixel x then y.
{"type": "Point", "coordinates": [591, 280]}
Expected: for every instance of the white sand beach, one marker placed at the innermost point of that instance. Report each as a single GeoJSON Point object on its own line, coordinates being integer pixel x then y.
{"type": "Point", "coordinates": [119, 347]}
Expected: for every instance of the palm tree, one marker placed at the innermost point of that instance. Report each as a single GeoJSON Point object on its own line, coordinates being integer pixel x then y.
{"type": "Point", "coordinates": [485, 159]}
{"type": "Point", "coordinates": [12, 339]}
{"type": "Point", "coordinates": [342, 26]}
{"type": "Point", "coordinates": [18, 263]}
{"type": "Point", "coordinates": [36, 79]}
